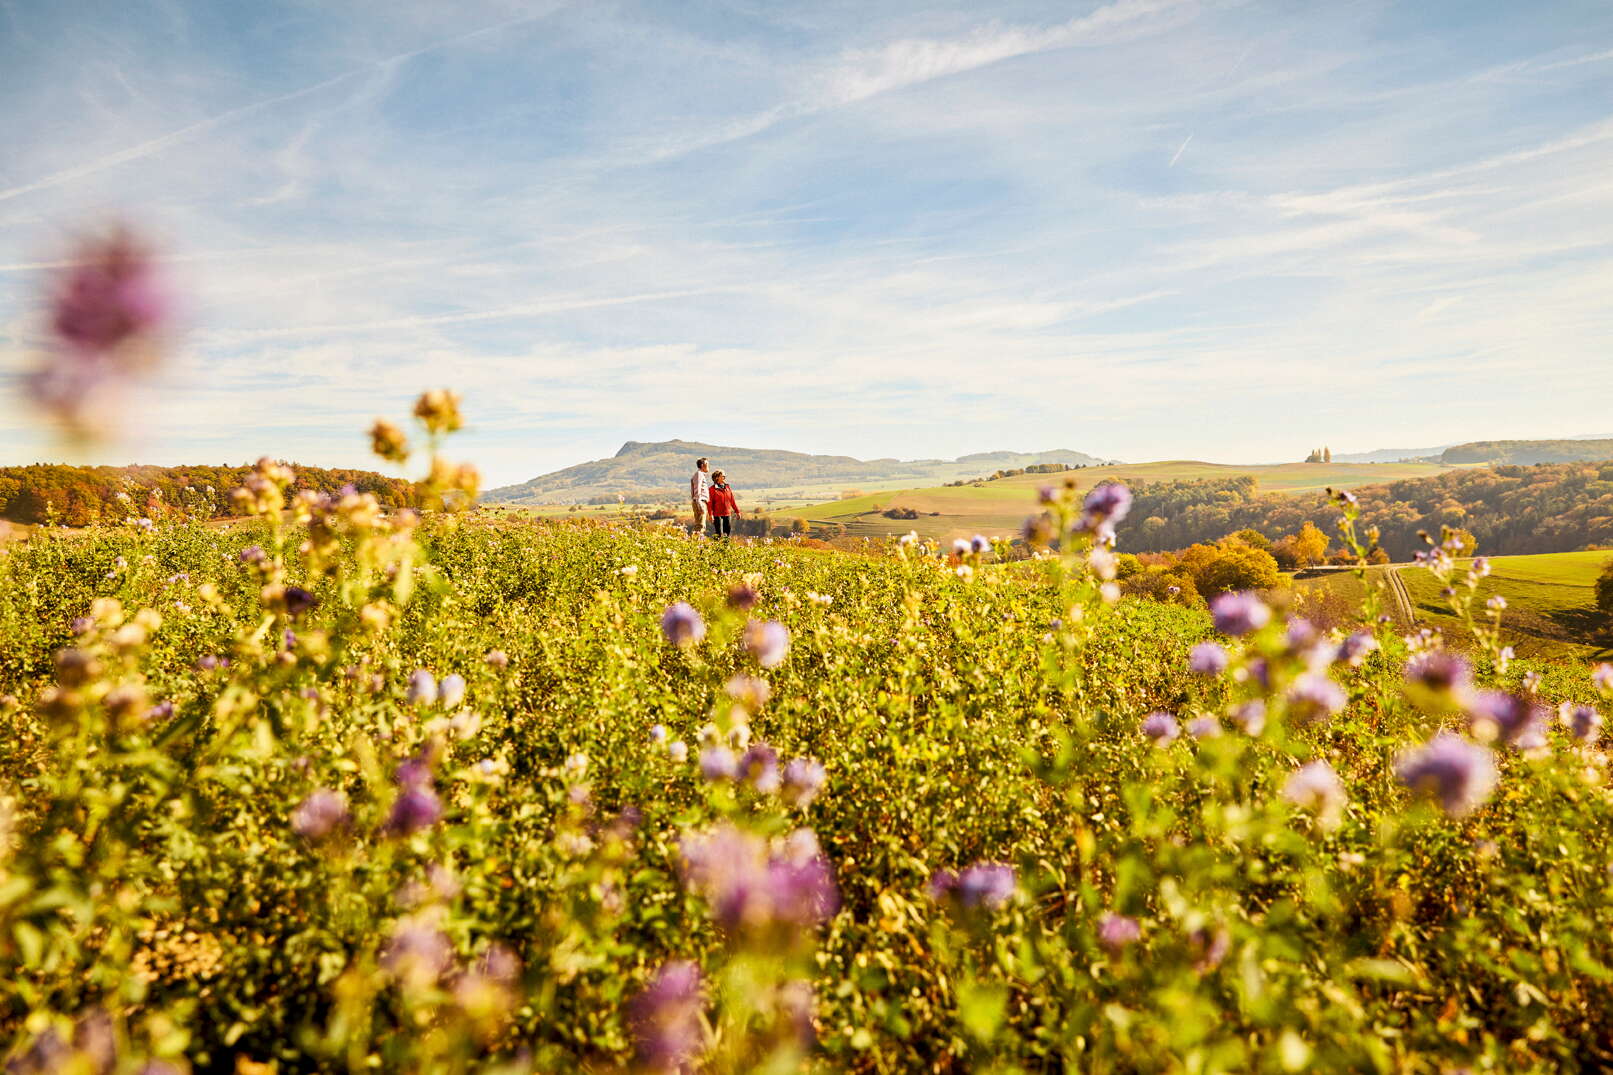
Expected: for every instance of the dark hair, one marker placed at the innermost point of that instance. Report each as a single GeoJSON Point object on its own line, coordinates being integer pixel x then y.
{"type": "Point", "coordinates": [698, 463]}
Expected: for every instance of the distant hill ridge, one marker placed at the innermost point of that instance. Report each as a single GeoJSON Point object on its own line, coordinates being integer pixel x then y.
{"type": "Point", "coordinates": [1529, 452]}
{"type": "Point", "coordinates": [643, 471]}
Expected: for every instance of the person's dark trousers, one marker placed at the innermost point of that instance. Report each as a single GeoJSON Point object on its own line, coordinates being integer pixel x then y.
{"type": "Point", "coordinates": [722, 525]}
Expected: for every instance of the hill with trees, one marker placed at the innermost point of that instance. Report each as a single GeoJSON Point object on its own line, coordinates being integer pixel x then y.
{"type": "Point", "coordinates": [1529, 452]}
{"type": "Point", "coordinates": [651, 472]}
{"type": "Point", "coordinates": [82, 496]}
{"type": "Point", "coordinates": [1507, 509]}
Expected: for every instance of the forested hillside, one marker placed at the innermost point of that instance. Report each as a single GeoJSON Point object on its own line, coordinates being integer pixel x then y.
{"type": "Point", "coordinates": [1508, 509]}
{"type": "Point", "coordinates": [81, 496]}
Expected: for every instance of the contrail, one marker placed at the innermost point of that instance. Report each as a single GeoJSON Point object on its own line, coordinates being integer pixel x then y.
{"type": "Point", "coordinates": [1179, 152]}
{"type": "Point", "coordinates": [157, 145]}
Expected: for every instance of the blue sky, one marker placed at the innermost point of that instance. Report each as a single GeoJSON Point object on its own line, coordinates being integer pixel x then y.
{"type": "Point", "coordinates": [1145, 229]}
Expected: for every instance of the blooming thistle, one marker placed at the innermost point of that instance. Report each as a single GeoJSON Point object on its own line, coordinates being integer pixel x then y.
{"type": "Point", "coordinates": [1207, 659]}
{"type": "Point", "coordinates": [681, 625]}
{"type": "Point", "coordinates": [1116, 931]}
{"type": "Point", "coordinates": [1458, 774]}
{"type": "Point", "coordinates": [665, 1019]}
{"type": "Point", "coordinates": [803, 779]}
{"type": "Point", "coordinates": [768, 641]}
{"type": "Point", "coordinates": [1513, 719]}
{"type": "Point", "coordinates": [1316, 788]}
{"type": "Point", "coordinates": [1584, 723]}
{"type": "Point", "coordinates": [320, 814]}
{"type": "Point", "coordinates": [1438, 680]}
{"type": "Point", "coordinates": [1314, 697]}
{"type": "Point", "coordinates": [1161, 727]}
{"type": "Point", "coordinates": [1240, 613]}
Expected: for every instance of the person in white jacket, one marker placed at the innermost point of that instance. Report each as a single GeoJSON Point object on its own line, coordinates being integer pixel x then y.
{"type": "Point", "coordinates": [700, 495]}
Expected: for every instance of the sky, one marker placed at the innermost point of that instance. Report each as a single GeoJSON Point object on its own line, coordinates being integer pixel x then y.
{"type": "Point", "coordinates": [1146, 229]}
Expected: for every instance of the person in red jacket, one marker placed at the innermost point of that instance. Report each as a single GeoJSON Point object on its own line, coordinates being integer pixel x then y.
{"type": "Point", "coordinates": [724, 508]}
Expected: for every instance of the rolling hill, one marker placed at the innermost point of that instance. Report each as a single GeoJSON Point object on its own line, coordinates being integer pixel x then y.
{"type": "Point", "coordinates": [1530, 452]}
{"type": "Point", "coordinates": [659, 471]}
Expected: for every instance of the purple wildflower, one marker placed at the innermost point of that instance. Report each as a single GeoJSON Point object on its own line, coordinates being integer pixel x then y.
{"type": "Point", "coordinates": [298, 601]}
{"type": "Point", "coordinates": [943, 883]}
{"type": "Point", "coordinates": [980, 544]}
{"type": "Point", "coordinates": [253, 554]}
{"type": "Point", "coordinates": [320, 814]}
{"type": "Point", "coordinates": [985, 886]}
{"type": "Point", "coordinates": [1250, 717]}
{"type": "Point", "coordinates": [1209, 947]}
{"type": "Point", "coordinates": [742, 597]}
{"type": "Point", "coordinates": [718, 763]}
{"type": "Point", "coordinates": [1116, 931]}
{"type": "Point", "coordinates": [1105, 505]}
{"type": "Point", "coordinates": [747, 886]}
{"type": "Point", "coordinates": [1438, 680]}
{"type": "Point", "coordinates": [416, 808]}
{"type": "Point", "coordinates": [665, 1019]}
{"type": "Point", "coordinates": [1514, 719]}
{"type": "Point", "coordinates": [1207, 659]}
{"type": "Point", "coordinates": [803, 779]}
{"type": "Point", "coordinates": [497, 659]}
{"type": "Point", "coordinates": [1161, 727]}
{"type": "Point", "coordinates": [1314, 697]}
{"type": "Point", "coordinates": [417, 953]}
{"type": "Point", "coordinates": [451, 691]}
{"type": "Point", "coordinates": [681, 624]}
{"type": "Point", "coordinates": [1459, 774]}
{"type": "Point", "coordinates": [422, 689]}
{"type": "Point", "coordinates": [1583, 721]}
{"type": "Point", "coordinates": [1602, 677]}
{"type": "Point", "coordinates": [1203, 727]}
{"type": "Point", "coordinates": [1354, 649]}
{"type": "Point", "coordinates": [1238, 614]}
{"type": "Point", "coordinates": [1315, 787]}
{"type": "Point", "coordinates": [759, 768]}
{"type": "Point", "coordinates": [767, 641]}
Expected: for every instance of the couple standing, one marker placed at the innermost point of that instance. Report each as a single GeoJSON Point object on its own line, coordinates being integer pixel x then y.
{"type": "Point", "coordinates": [712, 497]}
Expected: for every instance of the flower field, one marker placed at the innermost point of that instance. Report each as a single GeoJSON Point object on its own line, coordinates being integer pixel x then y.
{"type": "Point", "coordinates": [341, 790]}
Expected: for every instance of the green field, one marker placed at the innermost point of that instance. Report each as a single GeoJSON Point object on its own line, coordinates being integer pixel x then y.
{"type": "Point", "coordinates": [999, 507]}
{"type": "Point", "coordinates": [1550, 599]}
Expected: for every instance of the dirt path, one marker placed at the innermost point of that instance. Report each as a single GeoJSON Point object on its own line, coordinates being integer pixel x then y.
{"type": "Point", "coordinates": [1400, 597]}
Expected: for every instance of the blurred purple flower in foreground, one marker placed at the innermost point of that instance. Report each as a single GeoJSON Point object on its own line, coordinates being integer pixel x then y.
{"type": "Point", "coordinates": [1459, 774]}
{"type": "Point", "coordinates": [1161, 727]}
{"type": "Point", "coordinates": [1584, 722]}
{"type": "Point", "coordinates": [986, 886]}
{"type": "Point", "coordinates": [665, 1019]}
{"type": "Point", "coordinates": [1315, 697]}
{"type": "Point", "coordinates": [767, 641]}
{"type": "Point", "coordinates": [1517, 721]}
{"type": "Point", "coordinates": [1316, 788]}
{"type": "Point", "coordinates": [1238, 614]}
{"type": "Point", "coordinates": [106, 311]}
{"type": "Point", "coordinates": [803, 779]}
{"type": "Point", "coordinates": [1438, 680]}
{"type": "Point", "coordinates": [1207, 659]}
{"type": "Point", "coordinates": [682, 625]}
{"type": "Point", "coordinates": [320, 814]}
{"type": "Point", "coordinates": [1105, 505]}
{"type": "Point", "coordinates": [1115, 931]}
{"type": "Point", "coordinates": [748, 885]}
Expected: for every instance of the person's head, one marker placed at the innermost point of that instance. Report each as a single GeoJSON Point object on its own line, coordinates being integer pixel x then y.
{"type": "Point", "coordinates": [717, 476]}
{"type": "Point", "coordinates": [700, 464]}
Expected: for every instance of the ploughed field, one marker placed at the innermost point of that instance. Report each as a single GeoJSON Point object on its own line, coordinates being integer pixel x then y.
{"type": "Point", "coordinates": [999, 507]}
{"type": "Point", "coordinates": [517, 795]}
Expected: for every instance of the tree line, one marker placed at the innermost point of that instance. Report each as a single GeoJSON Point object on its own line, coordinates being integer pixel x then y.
{"type": "Point", "coordinates": [84, 496]}
{"type": "Point", "coordinates": [1555, 507]}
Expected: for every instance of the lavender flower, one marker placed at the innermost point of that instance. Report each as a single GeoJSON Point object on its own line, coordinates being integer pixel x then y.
{"type": "Point", "coordinates": [803, 779]}
{"type": "Point", "coordinates": [1583, 721]}
{"type": "Point", "coordinates": [1207, 659]}
{"type": "Point", "coordinates": [682, 625]}
{"type": "Point", "coordinates": [1250, 717]}
{"type": "Point", "coordinates": [767, 641]}
{"type": "Point", "coordinates": [1161, 727]}
{"type": "Point", "coordinates": [665, 1019]}
{"type": "Point", "coordinates": [422, 689]}
{"type": "Point", "coordinates": [1116, 931]}
{"type": "Point", "coordinates": [1314, 697]}
{"type": "Point", "coordinates": [1238, 614]}
{"type": "Point", "coordinates": [1514, 719]}
{"type": "Point", "coordinates": [759, 768]}
{"type": "Point", "coordinates": [1316, 788]}
{"type": "Point", "coordinates": [452, 690]}
{"type": "Point", "coordinates": [320, 814]}
{"type": "Point", "coordinates": [1459, 774]}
